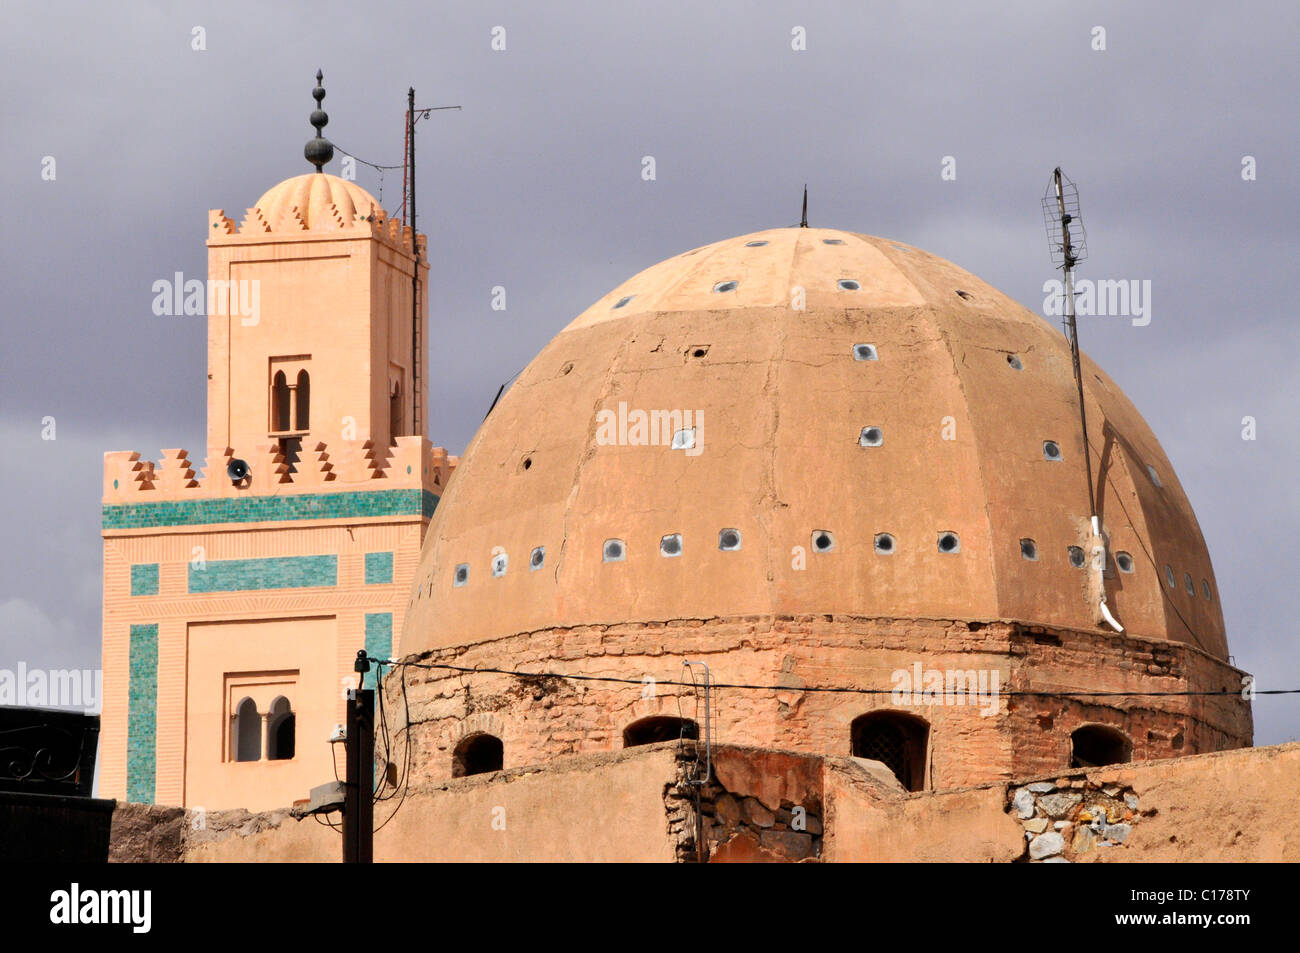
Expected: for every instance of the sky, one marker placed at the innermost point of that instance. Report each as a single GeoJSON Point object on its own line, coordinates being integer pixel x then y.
{"type": "Point", "coordinates": [155, 113]}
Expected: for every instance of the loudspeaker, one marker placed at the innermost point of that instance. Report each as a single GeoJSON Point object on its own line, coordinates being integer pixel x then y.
{"type": "Point", "coordinates": [237, 470]}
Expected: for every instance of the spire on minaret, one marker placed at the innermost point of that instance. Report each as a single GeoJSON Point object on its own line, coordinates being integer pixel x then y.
{"type": "Point", "coordinates": [319, 150]}
{"type": "Point", "coordinates": [803, 222]}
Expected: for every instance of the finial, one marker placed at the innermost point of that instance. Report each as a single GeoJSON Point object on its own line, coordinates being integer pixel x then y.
{"type": "Point", "coordinates": [803, 222]}
{"type": "Point", "coordinates": [319, 151]}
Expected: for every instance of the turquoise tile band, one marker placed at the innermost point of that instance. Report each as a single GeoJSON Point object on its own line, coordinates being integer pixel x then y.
{"type": "Point", "coordinates": [352, 504]}
{"type": "Point", "coordinates": [144, 579]}
{"type": "Point", "coordinates": [142, 714]}
{"type": "Point", "coordinates": [276, 572]}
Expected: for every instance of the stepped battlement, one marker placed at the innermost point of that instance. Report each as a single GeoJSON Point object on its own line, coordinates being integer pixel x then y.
{"type": "Point", "coordinates": [413, 462]}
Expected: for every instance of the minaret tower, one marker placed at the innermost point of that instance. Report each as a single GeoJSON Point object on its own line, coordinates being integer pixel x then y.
{"type": "Point", "coordinates": [235, 602]}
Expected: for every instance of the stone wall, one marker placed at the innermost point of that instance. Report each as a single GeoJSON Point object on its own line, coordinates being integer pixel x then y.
{"type": "Point", "coordinates": [541, 718]}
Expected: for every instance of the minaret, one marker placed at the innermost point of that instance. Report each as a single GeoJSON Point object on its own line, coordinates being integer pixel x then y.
{"type": "Point", "coordinates": [235, 602]}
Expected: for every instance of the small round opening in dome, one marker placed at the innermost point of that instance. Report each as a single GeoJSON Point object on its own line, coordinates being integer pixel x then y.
{"type": "Point", "coordinates": [1029, 550]}
{"type": "Point", "coordinates": [461, 575]}
{"type": "Point", "coordinates": [1205, 589]}
{"type": "Point", "coordinates": [758, 244]}
{"type": "Point", "coordinates": [729, 540]}
{"type": "Point", "coordinates": [1124, 561]}
{"type": "Point", "coordinates": [537, 559]}
{"type": "Point", "coordinates": [614, 551]}
{"type": "Point", "coordinates": [1051, 451]}
{"type": "Point", "coordinates": [499, 563]}
{"type": "Point", "coordinates": [864, 352]}
{"type": "Point", "coordinates": [850, 284]}
{"type": "Point", "coordinates": [1169, 575]}
{"type": "Point", "coordinates": [822, 541]}
{"type": "Point", "coordinates": [622, 302]}
{"type": "Point", "coordinates": [671, 545]}
{"type": "Point", "coordinates": [724, 286]}
{"type": "Point", "coordinates": [832, 241]}
{"type": "Point", "coordinates": [1014, 361]}
{"type": "Point", "coordinates": [871, 437]}
{"type": "Point", "coordinates": [1076, 556]}
{"type": "Point", "coordinates": [949, 543]}
{"type": "Point", "coordinates": [884, 544]}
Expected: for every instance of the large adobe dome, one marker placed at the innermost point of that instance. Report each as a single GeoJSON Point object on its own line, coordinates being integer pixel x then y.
{"type": "Point", "coordinates": [960, 388]}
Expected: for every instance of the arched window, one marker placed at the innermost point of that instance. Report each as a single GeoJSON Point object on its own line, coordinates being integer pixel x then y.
{"type": "Point", "coordinates": [896, 740]}
{"type": "Point", "coordinates": [1094, 745]}
{"type": "Point", "coordinates": [657, 728]}
{"type": "Point", "coordinates": [477, 754]}
{"type": "Point", "coordinates": [279, 403]}
{"type": "Point", "coordinates": [246, 733]}
{"type": "Point", "coordinates": [280, 731]}
{"type": "Point", "coordinates": [395, 423]}
{"type": "Point", "coordinates": [303, 409]}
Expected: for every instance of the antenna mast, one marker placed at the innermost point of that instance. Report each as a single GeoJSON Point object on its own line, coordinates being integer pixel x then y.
{"type": "Point", "coordinates": [1061, 214]}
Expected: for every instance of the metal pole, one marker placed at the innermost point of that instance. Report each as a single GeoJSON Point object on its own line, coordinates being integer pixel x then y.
{"type": "Point", "coordinates": [358, 797]}
{"type": "Point", "coordinates": [1074, 342]}
{"type": "Point", "coordinates": [417, 412]}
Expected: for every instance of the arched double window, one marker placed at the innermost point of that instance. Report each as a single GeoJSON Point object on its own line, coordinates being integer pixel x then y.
{"type": "Point", "coordinates": [897, 740]}
{"type": "Point", "coordinates": [290, 396]}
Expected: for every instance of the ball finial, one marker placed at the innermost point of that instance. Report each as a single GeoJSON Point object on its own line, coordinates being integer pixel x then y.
{"type": "Point", "coordinates": [319, 151]}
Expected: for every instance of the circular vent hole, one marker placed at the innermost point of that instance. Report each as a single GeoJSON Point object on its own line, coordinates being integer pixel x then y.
{"type": "Point", "coordinates": [949, 543]}
{"type": "Point", "coordinates": [699, 352]}
{"type": "Point", "coordinates": [884, 544]}
{"type": "Point", "coordinates": [622, 302]}
{"type": "Point", "coordinates": [724, 286]}
{"type": "Point", "coordinates": [758, 244]}
{"type": "Point", "coordinates": [1029, 550]}
{"type": "Point", "coordinates": [822, 541]}
{"type": "Point", "coordinates": [1076, 556]}
{"type": "Point", "coordinates": [671, 545]}
{"type": "Point", "coordinates": [1188, 584]}
{"type": "Point", "coordinates": [965, 295]}
{"type": "Point", "coordinates": [1169, 575]}
{"type": "Point", "coordinates": [832, 241]}
{"type": "Point", "coordinates": [729, 540]}
{"type": "Point", "coordinates": [568, 366]}
{"type": "Point", "coordinates": [871, 437]}
{"type": "Point", "coordinates": [1124, 561]}
{"type": "Point", "coordinates": [537, 559]}
{"type": "Point", "coordinates": [1014, 361]}
{"type": "Point", "coordinates": [526, 463]}
{"type": "Point", "coordinates": [614, 551]}
{"type": "Point", "coordinates": [1051, 451]}
{"type": "Point", "coordinates": [499, 563]}
{"type": "Point", "coordinates": [461, 575]}
{"type": "Point", "coordinates": [850, 284]}
{"type": "Point", "coordinates": [1205, 589]}
{"type": "Point", "coordinates": [864, 352]}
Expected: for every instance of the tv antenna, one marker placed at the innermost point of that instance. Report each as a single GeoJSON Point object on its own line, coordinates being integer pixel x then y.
{"type": "Point", "coordinates": [1068, 244]}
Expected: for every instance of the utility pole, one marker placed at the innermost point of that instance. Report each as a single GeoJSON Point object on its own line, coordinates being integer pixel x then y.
{"type": "Point", "coordinates": [359, 788]}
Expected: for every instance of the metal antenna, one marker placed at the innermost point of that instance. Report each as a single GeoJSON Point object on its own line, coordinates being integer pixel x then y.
{"type": "Point", "coordinates": [803, 222]}
{"type": "Point", "coordinates": [408, 203]}
{"type": "Point", "coordinates": [1068, 245]}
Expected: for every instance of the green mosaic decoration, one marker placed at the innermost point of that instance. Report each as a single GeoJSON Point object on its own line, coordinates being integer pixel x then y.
{"type": "Point", "coordinates": [354, 504]}
{"type": "Point", "coordinates": [142, 714]}
{"type": "Point", "coordinates": [144, 579]}
{"type": "Point", "coordinates": [275, 572]}
{"type": "Point", "coordinates": [379, 641]}
{"type": "Point", "coordinates": [379, 568]}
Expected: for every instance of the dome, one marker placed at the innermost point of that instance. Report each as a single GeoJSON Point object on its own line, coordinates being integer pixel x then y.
{"type": "Point", "coordinates": [312, 195]}
{"type": "Point", "coordinates": [806, 422]}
